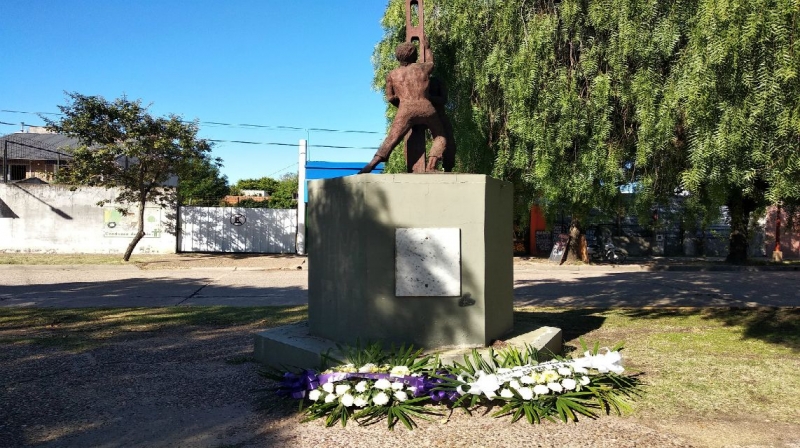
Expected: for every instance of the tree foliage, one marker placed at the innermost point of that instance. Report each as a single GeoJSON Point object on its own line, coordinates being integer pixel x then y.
{"type": "Point", "coordinates": [125, 147]}
{"type": "Point", "coordinates": [285, 194]}
{"type": "Point", "coordinates": [571, 100]}
{"type": "Point", "coordinates": [201, 181]}
{"type": "Point", "coordinates": [282, 192]}
{"type": "Point", "coordinates": [268, 184]}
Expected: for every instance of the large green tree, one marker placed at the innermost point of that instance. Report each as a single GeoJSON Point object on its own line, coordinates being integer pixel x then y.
{"type": "Point", "coordinates": [125, 147]}
{"type": "Point", "coordinates": [741, 95]}
{"type": "Point", "coordinates": [572, 100]}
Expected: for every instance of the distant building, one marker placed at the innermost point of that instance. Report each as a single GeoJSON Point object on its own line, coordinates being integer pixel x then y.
{"type": "Point", "coordinates": [38, 154]}
{"type": "Point", "coordinates": [254, 193]}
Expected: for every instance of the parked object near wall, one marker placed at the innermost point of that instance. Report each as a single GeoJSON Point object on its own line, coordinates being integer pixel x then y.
{"type": "Point", "coordinates": [789, 228]}
{"type": "Point", "coordinates": [56, 219]}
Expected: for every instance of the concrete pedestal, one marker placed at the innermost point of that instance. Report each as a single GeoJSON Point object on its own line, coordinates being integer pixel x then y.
{"type": "Point", "coordinates": [381, 250]}
{"type": "Point", "coordinates": [353, 256]}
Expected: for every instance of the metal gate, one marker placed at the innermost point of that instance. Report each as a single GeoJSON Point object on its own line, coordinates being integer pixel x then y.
{"type": "Point", "coordinates": [237, 229]}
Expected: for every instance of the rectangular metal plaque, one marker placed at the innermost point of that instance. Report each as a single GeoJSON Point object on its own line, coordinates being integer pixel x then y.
{"type": "Point", "coordinates": [428, 262]}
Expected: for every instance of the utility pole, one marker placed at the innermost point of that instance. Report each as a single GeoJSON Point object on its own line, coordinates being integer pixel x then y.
{"type": "Point", "coordinates": [5, 161]}
{"type": "Point", "coordinates": [300, 244]}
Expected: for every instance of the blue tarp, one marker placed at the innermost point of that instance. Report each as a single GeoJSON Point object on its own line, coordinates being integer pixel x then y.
{"type": "Point", "coordinates": [330, 170]}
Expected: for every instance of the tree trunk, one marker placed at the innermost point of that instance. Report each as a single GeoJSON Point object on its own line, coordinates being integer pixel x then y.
{"type": "Point", "coordinates": [577, 244]}
{"type": "Point", "coordinates": [739, 212]}
{"type": "Point", "coordinates": [139, 232]}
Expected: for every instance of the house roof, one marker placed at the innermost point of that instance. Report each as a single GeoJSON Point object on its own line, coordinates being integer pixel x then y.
{"type": "Point", "coordinates": [32, 146]}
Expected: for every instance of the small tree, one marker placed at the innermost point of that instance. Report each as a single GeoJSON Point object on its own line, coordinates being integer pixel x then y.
{"type": "Point", "coordinates": [127, 148]}
{"type": "Point", "coordinates": [202, 183]}
{"type": "Point", "coordinates": [285, 194]}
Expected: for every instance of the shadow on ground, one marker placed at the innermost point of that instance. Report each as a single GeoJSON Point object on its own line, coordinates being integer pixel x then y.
{"type": "Point", "coordinates": [159, 291]}
{"type": "Point", "coordinates": [134, 377]}
{"type": "Point", "coordinates": [766, 304]}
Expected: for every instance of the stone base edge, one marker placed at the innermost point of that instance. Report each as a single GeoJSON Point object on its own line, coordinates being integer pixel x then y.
{"type": "Point", "coordinates": [291, 346]}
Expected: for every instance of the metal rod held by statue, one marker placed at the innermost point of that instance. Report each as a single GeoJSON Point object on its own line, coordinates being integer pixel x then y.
{"type": "Point", "coordinates": [415, 32]}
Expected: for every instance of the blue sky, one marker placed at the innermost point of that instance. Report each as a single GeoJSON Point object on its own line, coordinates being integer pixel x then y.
{"type": "Point", "coordinates": [296, 63]}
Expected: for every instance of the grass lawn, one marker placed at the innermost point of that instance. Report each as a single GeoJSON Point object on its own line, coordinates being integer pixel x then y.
{"type": "Point", "coordinates": [736, 366]}
{"type": "Point", "coordinates": [710, 361]}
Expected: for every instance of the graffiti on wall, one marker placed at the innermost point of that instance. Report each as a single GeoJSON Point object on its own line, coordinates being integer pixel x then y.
{"type": "Point", "coordinates": [116, 224]}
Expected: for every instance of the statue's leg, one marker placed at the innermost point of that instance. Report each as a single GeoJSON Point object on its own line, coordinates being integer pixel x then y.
{"type": "Point", "coordinates": [415, 150]}
{"type": "Point", "coordinates": [400, 127]}
{"type": "Point", "coordinates": [449, 156]}
{"type": "Point", "coordinates": [439, 142]}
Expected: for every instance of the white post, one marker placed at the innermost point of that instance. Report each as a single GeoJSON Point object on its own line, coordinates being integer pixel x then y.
{"type": "Point", "coordinates": [300, 245]}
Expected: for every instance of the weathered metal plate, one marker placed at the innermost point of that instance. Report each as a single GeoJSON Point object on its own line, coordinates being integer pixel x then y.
{"type": "Point", "coordinates": [428, 262]}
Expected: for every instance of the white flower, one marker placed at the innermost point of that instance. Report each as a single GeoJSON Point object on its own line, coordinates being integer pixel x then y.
{"type": "Point", "coordinates": [341, 389]}
{"type": "Point", "coordinates": [412, 390]}
{"type": "Point", "coordinates": [549, 376]}
{"type": "Point", "coordinates": [382, 384]}
{"type": "Point", "coordinates": [314, 395]}
{"type": "Point", "coordinates": [541, 389]}
{"type": "Point", "coordinates": [367, 368]}
{"type": "Point", "coordinates": [525, 392]}
{"type": "Point", "coordinates": [400, 395]}
{"type": "Point", "coordinates": [380, 399]}
{"type": "Point", "coordinates": [349, 368]}
{"type": "Point", "coordinates": [503, 370]}
{"type": "Point", "coordinates": [360, 401]}
{"type": "Point", "coordinates": [527, 380]}
{"type": "Point", "coordinates": [581, 370]}
{"type": "Point", "coordinates": [555, 387]}
{"type": "Point", "coordinates": [362, 386]}
{"type": "Point", "coordinates": [397, 386]}
{"type": "Point", "coordinates": [569, 383]}
{"type": "Point", "coordinates": [585, 380]}
{"type": "Point", "coordinates": [330, 398]}
{"type": "Point", "coordinates": [564, 371]}
{"type": "Point", "coordinates": [514, 384]}
{"type": "Point", "coordinates": [506, 393]}
{"type": "Point", "coordinates": [328, 387]}
{"type": "Point", "coordinates": [347, 400]}
{"type": "Point", "coordinates": [486, 384]}
{"type": "Point", "coordinates": [399, 371]}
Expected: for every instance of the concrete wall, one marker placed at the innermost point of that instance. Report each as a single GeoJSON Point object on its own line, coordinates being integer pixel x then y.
{"type": "Point", "coordinates": [53, 219]}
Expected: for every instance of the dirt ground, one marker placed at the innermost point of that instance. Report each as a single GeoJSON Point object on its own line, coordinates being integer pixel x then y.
{"type": "Point", "coordinates": [198, 387]}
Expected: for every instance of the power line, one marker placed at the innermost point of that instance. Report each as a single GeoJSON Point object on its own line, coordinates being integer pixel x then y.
{"type": "Point", "coordinates": [290, 144]}
{"type": "Point", "coordinates": [283, 169]}
{"type": "Point", "coordinates": [241, 125]}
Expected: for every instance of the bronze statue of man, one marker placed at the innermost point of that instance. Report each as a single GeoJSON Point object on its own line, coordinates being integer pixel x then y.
{"type": "Point", "coordinates": [407, 89]}
{"type": "Point", "coordinates": [415, 140]}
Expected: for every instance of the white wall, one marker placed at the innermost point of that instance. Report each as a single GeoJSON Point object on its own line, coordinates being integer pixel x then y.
{"type": "Point", "coordinates": [53, 219]}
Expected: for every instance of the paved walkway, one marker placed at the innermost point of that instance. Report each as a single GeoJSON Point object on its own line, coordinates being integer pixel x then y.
{"type": "Point", "coordinates": [284, 281]}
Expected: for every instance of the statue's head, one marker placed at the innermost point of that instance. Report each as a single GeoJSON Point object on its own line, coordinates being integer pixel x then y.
{"type": "Point", "coordinates": [406, 53]}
